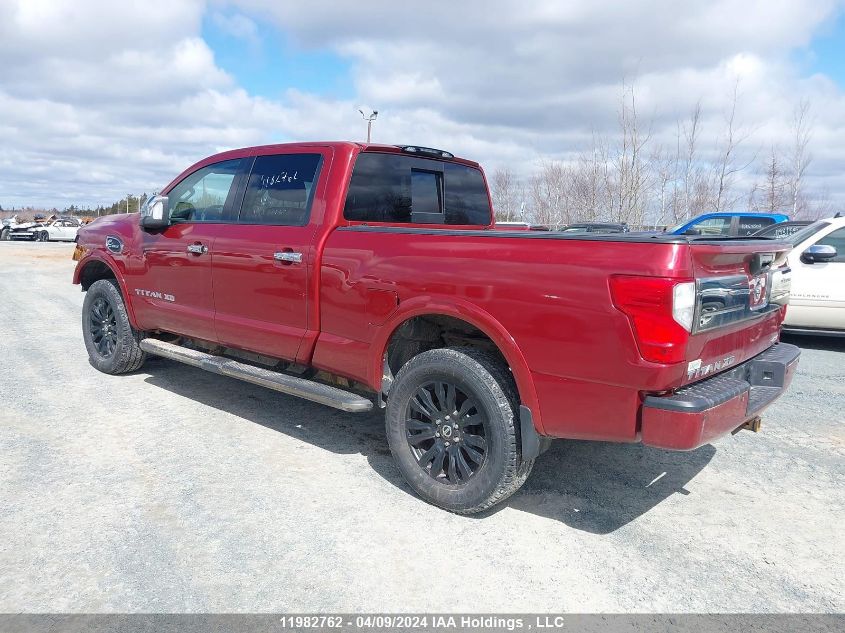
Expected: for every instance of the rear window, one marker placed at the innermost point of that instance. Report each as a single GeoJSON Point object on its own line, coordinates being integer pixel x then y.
{"type": "Point", "coordinates": [398, 188]}
{"type": "Point", "coordinates": [750, 224]}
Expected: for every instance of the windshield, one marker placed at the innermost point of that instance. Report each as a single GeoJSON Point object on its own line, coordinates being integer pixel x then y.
{"type": "Point", "coordinates": [799, 236]}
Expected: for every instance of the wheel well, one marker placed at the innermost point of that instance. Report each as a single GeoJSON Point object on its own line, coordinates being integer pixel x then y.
{"type": "Point", "coordinates": [433, 331]}
{"type": "Point", "coordinates": [94, 272]}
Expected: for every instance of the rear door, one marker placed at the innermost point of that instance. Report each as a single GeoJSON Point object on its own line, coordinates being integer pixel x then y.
{"type": "Point", "coordinates": [262, 266]}
{"type": "Point", "coordinates": [173, 292]}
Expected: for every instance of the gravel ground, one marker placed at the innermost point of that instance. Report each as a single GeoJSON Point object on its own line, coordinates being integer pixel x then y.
{"type": "Point", "coordinates": [175, 490]}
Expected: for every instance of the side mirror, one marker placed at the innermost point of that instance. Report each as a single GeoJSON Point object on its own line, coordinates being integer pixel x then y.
{"type": "Point", "coordinates": [692, 231]}
{"type": "Point", "coordinates": [154, 213]}
{"type": "Point", "coordinates": [818, 253]}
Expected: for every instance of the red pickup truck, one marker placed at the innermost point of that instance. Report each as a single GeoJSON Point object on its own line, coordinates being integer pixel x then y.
{"type": "Point", "coordinates": [369, 275]}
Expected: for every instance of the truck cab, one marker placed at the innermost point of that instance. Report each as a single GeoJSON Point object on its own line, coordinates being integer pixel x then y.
{"type": "Point", "coordinates": [728, 224]}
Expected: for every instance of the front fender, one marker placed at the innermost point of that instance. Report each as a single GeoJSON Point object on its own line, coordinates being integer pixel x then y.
{"type": "Point", "coordinates": [475, 316]}
{"type": "Point", "coordinates": [117, 269]}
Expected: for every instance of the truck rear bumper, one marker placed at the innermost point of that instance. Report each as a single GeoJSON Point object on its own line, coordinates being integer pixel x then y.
{"type": "Point", "coordinates": [708, 409]}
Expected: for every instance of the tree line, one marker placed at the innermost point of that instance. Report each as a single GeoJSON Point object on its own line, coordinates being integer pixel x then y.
{"type": "Point", "coordinates": [128, 204]}
{"type": "Point", "coordinates": [630, 177]}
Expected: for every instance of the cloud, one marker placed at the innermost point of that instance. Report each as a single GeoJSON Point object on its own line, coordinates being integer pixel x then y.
{"type": "Point", "coordinates": [100, 98]}
{"type": "Point", "coordinates": [237, 25]}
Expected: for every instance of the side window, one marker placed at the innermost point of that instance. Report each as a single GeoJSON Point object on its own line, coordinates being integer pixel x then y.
{"type": "Point", "coordinates": [837, 241]}
{"type": "Point", "coordinates": [749, 224]}
{"type": "Point", "coordinates": [280, 190]}
{"type": "Point", "coordinates": [713, 226]}
{"type": "Point", "coordinates": [466, 196]}
{"type": "Point", "coordinates": [201, 196]}
{"type": "Point", "coordinates": [396, 188]}
{"type": "Point", "coordinates": [380, 189]}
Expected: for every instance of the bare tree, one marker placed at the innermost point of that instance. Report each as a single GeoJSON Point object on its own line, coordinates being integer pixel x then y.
{"type": "Point", "coordinates": [548, 194]}
{"type": "Point", "coordinates": [507, 195]}
{"type": "Point", "coordinates": [801, 134]}
{"type": "Point", "coordinates": [692, 173]}
{"type": "Point", "coordinates": [631, 178]}
{"type": "Point", "coordinates": [727, 167]}
{"type": "Point", "coordinates": [770, 196]}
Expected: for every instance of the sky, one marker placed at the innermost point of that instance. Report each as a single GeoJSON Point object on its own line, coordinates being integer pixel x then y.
{"type": "Point", "coordinates": [99, 99]}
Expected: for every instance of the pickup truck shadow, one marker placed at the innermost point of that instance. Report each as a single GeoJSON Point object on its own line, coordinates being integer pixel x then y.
{"type": "Point", "coordinates": [825, 343]}
{"type": "Point", "coordinates": [593, 486]}
{"type": "Point", "coordinates": [599, 487]}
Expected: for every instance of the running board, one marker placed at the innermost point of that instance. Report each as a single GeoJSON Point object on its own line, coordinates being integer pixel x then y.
{"type": "Point", "coordinates": [291, 385]}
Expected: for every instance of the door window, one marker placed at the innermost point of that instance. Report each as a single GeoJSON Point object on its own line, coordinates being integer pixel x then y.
{"type": "Point", "coordinates": [202, 195]}
{"type": "Point", "coordinates": [281, 189]}
{"type": "Point", "coordinates": [837, 240]}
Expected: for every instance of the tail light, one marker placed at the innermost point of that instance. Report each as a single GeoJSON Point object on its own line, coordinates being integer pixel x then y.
{"type": "Point", "coordinates": [661, 312]}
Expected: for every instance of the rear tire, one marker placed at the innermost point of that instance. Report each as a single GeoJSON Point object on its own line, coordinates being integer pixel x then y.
{"type": "Point", "coordinates": [464, 463]}
{"type": "Point", "coordinates": [111, 341]}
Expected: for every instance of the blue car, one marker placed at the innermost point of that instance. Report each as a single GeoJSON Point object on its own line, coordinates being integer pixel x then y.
{"type": "Point", "coordinates": [731, 224]}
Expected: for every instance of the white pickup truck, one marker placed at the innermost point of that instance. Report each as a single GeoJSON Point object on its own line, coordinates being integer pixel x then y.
{"type": "Point", "coordinates": [817, 302]}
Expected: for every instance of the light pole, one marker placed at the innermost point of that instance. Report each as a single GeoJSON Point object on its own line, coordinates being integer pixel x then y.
{"type": "Point", "coordinates": [369, 118]}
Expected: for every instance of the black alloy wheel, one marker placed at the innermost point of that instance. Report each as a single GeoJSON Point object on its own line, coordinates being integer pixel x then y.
{"type": "Point", "coordinates": [453, 428]}
{"type": "Point", "coordinates": [112, 343]}
{"type": "Point", "coordinates": [102, 325]}
{"type": "Point", "coordinates": [447, 432]}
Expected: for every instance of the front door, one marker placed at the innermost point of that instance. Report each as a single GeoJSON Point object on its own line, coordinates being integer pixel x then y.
{"type": "Point", "coordinates": [263, 264]}
{"type": "Point", "coordinates": [818, 290]}
{"type": "Point", "coordinates": [173, 291]}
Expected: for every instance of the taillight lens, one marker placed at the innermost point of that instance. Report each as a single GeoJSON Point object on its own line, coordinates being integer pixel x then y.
{"type": "Point", "coordinates": [661, 312]}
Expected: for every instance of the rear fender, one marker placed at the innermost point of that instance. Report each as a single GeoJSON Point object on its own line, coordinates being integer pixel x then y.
{"type": "Point", "coordinates": [472, 314]}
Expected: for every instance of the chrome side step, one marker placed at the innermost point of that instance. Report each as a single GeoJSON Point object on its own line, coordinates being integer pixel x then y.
{"type": "Point", "coordinates": [291, 385]}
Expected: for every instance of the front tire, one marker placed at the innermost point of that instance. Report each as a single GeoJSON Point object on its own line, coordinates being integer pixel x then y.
{"type": "Point", "coordinates": [44, 236]}
{"type": "Point", "coordinates": [4, 235]}
{"type": "Point", "coordinates": [452, 429]}
{"type": "Point", "coordinates": [112, 343]}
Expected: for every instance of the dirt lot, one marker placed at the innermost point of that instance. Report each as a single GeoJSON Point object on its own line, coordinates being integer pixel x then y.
{"type": "Point", "coordinates": [175, 490]}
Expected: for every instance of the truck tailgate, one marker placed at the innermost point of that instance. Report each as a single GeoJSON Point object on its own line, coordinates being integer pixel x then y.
{"type": "Point", "coordinates": [740, 303]}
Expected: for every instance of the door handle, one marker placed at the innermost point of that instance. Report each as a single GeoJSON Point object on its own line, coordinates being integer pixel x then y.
{"type": "Point", "coordinates": [288, 256]}
{"type": "Point", "coordinates": [197, 249]}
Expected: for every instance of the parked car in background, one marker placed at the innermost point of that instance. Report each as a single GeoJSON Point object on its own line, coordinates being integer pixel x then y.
{"type": "Point", "coordinates": [16, 230]}
{"type": "Point", "coordinates": [782, 229]}
{"type": "Point", "coordinates": [595, 227]}
{"type": "Point", "coordinates": [817, 303]}
{"type": "Point", "coordinates": [58, 230]}
{"type": "Point", "coordinates": [730, 224]}
{"type": "Point", "coordinates": [520, 226]}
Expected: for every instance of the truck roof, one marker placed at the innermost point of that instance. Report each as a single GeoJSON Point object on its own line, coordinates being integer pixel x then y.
{"type": "Point", "coordinates": [243, 152]}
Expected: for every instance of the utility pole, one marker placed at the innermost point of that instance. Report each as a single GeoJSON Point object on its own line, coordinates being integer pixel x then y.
{"type": "Point", "coordinates": [369, 118]}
